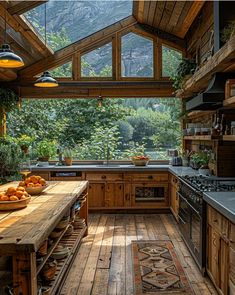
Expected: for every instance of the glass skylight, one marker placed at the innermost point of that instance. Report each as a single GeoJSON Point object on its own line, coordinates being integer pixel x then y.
{"type": "Point", "coordinates": [69, 21]}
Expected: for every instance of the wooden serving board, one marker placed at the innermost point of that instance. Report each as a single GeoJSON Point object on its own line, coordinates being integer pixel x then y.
{"type": "Point", "coordinates": [24, 230]}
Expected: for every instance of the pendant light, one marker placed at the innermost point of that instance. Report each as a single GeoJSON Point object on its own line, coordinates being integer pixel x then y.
{"type": "Point", "coordinates": [46, 80]}
{"type": "Point", "coordinates": [8, 59]}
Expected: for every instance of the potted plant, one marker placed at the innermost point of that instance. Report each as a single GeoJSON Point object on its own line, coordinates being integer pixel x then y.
{"type": "Point", "coordinates": [185, 154]}
{"type": "Point", "coordinates": [184, 70]}
{"type": "Point", "coordinates": [68, 155]}
{"type": "Point", "coordinates": [45, 150]}
{"type": "Point", "coordinates": [24, 141]}
{"type": "Point", "coordinates": [228, 31]}
{"type": "Point", "coordinates": [200, 160]}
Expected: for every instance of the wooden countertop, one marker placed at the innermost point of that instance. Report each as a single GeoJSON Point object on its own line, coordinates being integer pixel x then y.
{"type": "Point", "coordinates": [25, 229]}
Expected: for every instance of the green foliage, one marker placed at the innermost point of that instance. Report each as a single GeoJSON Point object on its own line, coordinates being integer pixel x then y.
{"type": "Point", "coordinates": [228, 31]}
{"type": "Point", "coordinates": [8, 99]}
{"type": "Point", "coordinates": [186, 67]}
{"type": "Point", "coordinates": [201, 158]}
{"type": "Point", "coordinates": [24, 140]}
{"type": "Point", "coordinates": [46, 149]}
{"type": "Point", "coordinates": [171, 59]}
{"type": "Point", "coordinates": [102, 145]}
{"type": "Point", "coordinates": [10, 158]}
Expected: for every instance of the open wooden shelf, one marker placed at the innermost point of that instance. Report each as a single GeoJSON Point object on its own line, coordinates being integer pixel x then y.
{"type": "Point", "coordinates": [229, 137]}
{"type": "Point", "coordinates": [72, 242]}
{"type": "Point", "coordinates": [229, 102]}
{"type": "Point", "coordinates": [200, 137]}
{"type": "Point", "coordinates": [219, 62]}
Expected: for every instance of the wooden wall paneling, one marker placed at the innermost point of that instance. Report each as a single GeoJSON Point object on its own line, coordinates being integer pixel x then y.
{"type": "Point", "coordinates": [169, 11]}
{"type": "Point", "coordinates": [63, 55]}
{"type": "Point", "coordinates": [183, 16]}
{"type": "Point", "coordinates": [188, 20]}
{"type": "Point", "coordinates": [7, 74]}
{"type": "Point", "coordinates": [151, 12]}
{"type": "Point", "coordinates": [158, 13]}
{"type": "Point", "coordinates": [140, 11]}
{"type": "Point", "coordinates": [146, 11]}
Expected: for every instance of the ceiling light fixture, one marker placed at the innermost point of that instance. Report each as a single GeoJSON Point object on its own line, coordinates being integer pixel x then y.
{"type": "Point", "coordinates": [8, 59]}
{"type": "Point", "coordinates": [46, 80]}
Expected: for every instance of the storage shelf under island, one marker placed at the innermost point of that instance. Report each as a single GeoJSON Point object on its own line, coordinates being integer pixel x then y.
{"type": "Point", "coordinates": [22, 232]}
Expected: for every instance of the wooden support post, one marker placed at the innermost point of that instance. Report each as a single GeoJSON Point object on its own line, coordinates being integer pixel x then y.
{"type": "Point", "coordinates": [84, 211]}
{"type": "Point", "coordinates": [2, 123]}
{"type": "Point", "coordinates": [25, 274]}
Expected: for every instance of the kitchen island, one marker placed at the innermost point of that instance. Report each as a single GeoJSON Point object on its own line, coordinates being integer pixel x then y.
{"type": "Point", "coordinates": [23, 232]}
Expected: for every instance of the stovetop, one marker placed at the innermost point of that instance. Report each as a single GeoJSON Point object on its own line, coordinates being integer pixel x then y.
{"type": "Point", "coordinates": [210, 184]}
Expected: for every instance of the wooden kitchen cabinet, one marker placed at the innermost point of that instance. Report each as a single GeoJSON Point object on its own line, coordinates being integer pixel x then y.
{"type": "Point", "coordinates": [218, 250]}
{"type": "Point", "coordinates": [115, 190]}
{"type": "Point", "coordinates": [114, 194]}
{"type": "Point", "coordinates": [96, 194]}
{"type": "Point", "coordinates": [232, 259]}
{"type": "Point", "coordinates": [174, 199]}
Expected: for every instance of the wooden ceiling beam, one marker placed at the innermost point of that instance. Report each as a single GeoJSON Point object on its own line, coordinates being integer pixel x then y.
{"type": "Point", "coordinates": [75, 89]}
{"type": "Point", "coordinates": [65, 54]}
{"type": "Point", "coordinates": [20, 25]}
{"type": "Point", "coordinates": [189, 19]}
{"type": "Point", "coordinates": [163, 35]}
{"type": "Point", "coordinates": [24, 6]}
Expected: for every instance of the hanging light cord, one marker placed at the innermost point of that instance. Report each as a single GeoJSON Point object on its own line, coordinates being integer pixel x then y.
{"type": "Point", "coordinates": [5, 27]}
{"type": "Point", "coordinates": [45, 16]}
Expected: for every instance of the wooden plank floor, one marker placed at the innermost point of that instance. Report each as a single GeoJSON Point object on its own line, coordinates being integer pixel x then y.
{"type": "Point", "coordinates": [103, 264]}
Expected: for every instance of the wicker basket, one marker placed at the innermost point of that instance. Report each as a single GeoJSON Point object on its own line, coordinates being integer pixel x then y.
{"type": "Point", "coordinates": [14, 205]}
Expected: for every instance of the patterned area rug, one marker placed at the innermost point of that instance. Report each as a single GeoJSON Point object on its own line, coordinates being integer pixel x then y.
{"type": "Point", "coordinates": [157, 269]}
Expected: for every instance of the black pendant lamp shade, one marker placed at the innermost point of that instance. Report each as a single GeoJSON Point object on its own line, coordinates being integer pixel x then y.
{"type": "Point", "coordinates": [46, 80]}
{"type": "Point", "coordinates": [8, 59]}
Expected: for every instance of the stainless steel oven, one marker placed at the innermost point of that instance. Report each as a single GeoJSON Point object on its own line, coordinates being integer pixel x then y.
{"type": "Point", "coordinates": [191, 223]}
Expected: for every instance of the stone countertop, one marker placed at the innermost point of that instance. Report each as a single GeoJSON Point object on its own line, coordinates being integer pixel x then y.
{"type": "Point", "coordinates": [224, 202]}
{"type": "Point", "coordinates": [176, 170]}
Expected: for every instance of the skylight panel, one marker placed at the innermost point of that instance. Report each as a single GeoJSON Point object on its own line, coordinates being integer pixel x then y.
{"type": "Point", "coordinates": [69, 21]}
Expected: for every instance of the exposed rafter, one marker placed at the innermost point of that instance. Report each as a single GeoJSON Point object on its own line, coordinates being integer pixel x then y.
{"type": "Point", "coordinates": [20, 25]}
{"type": "Point", "coordinates": [163, 35]}
{"type": "Point", "coordinates": [24, 6]}
{"type": "Point", "coordinates": [75, 89]}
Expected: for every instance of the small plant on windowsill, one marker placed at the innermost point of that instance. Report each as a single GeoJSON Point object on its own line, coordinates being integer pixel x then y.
{"type": "Point", "coordinates": [45, 149]}
{"type": "Point", "coordinates": [68, 156]}
{"type": "Point", "coordinates": [200, 160]}
{"type": "Point", "coordinates": [24, 141]}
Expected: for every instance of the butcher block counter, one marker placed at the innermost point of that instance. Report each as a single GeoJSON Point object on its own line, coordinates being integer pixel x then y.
{"type": "Point", "coordinates": [24, 231]}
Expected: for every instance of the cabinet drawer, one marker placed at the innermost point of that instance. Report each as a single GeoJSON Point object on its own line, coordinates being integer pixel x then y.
{"type": "Point", "coordinates": [149, 177]}
{"type": "Point", "coordinates": [218, 221]}
{"type": "Point", "coordinates": [232, 265]}
{"type": "Point", "coordinates": [104, 176]}
{"type": "Point", "coordinates": [232, 236]}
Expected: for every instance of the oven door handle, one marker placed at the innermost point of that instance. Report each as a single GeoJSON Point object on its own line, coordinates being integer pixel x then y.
{"type": "Point", "coordinates": [185, 200]}
{"type": "Point", "coordinates": [197, 212]}
{"type": "Point", "coordinates": [181, 219]}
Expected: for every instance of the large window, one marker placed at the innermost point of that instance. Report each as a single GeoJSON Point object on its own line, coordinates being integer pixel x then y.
{"type": "Point", "coordinates": [69, 21]}
{"type": "Point", "coordinates": [97, 63]}
{"type": "Point", "coordinates": [125, 127]}
{"type": "Point", "coordinates": [136, 56]}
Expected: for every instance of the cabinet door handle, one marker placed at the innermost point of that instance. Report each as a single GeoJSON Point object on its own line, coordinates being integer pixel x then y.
{"type": "Point", "coordinates": [103, 176]}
